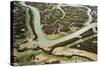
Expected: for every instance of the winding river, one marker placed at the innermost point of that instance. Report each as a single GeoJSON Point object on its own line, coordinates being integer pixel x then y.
{"type": "Point", "coordinates": [42, 40]}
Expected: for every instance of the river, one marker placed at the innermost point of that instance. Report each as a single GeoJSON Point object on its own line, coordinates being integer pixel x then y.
{"type": "Point", "coordinates": [42, 40]}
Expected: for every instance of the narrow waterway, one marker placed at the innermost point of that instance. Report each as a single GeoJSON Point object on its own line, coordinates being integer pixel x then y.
{"type": "Point", "coordinates": [88, 11]}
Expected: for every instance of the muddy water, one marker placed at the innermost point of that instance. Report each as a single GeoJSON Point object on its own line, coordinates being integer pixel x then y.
{"type": "Point", "coordinates": [42, 40]}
